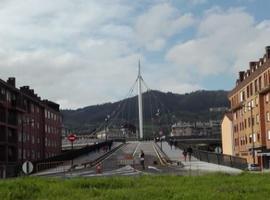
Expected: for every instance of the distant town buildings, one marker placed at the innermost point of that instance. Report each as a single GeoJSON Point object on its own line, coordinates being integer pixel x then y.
{"type": "Point", "coordinates": [30, 128]}
{"type": "Point", "coordinates": [210, 128]}
{"type": "Point", "coordinates": [250, 109]}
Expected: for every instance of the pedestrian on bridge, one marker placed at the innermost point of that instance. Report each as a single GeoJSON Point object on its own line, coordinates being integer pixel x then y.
{"type": "Point", "coordinates": [185, 154]}
{"type": "Point", "coordinates": [142, 159]}
{"type": "Point", "coordinates": [171, 143]}
{"type": "Point", "coordinates": [189, 151]}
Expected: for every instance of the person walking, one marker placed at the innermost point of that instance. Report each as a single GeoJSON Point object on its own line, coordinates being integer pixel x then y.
{"type": "Point", "coordinates": [189, 151]}
{"type": "Point", "coordinates": [142, 159]}
{"type": "Point", "coordinates": [171, 143]}
{"type": "Point", "coordinates": [185, 154]}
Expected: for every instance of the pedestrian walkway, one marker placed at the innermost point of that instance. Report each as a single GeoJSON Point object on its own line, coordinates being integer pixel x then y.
{"type": "Point", "coordinates": [176, 155]}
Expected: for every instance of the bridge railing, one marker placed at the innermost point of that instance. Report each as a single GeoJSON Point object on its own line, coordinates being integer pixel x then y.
{"type": "Point", "coordinates": [217, 158]}
{"type": "Point", "coordinates": [220, 159]}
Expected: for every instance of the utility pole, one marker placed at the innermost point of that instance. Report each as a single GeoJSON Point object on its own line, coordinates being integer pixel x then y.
{"type": "Point", "coordinates": [140, 103]}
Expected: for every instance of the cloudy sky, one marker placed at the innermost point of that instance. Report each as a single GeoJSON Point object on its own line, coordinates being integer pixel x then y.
{"type": "Point", "coordinates": [85, 52]}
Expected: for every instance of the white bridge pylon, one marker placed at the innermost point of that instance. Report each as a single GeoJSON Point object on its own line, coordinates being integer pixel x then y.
{"type": "Point", "coordinates": [140, 103]}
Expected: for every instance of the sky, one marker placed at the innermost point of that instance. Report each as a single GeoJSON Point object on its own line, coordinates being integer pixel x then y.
{"type": "Point", "coordinates": [86, 52]}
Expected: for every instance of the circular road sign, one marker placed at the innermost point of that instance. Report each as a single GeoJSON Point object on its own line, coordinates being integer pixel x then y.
{"type": "Point", "coordinates": [72, 137]}
{"type": "Point", "coordinates": [27, 167]}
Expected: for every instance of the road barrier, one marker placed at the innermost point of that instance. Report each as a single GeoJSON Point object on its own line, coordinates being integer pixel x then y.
{"type": "Point", "coordinates": [59, 160]}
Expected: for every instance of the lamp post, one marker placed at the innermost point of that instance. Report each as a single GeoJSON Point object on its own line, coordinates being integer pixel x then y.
{"type": "Point", "coordinates": [252, 131]}
{"type": "Point", "coordinates": [160, 130]}
{"type": "Point", "coordinates": [106, 126]}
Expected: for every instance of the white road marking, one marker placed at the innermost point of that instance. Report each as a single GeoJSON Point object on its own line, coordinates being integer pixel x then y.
{"type": "Point", "coordinates": [136, 148]}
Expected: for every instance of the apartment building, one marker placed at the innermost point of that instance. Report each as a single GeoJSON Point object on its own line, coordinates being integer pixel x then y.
{"type": "Point", "coordinates": [250, 109]}
{"type": "Point", "coordinates": [30, 128]}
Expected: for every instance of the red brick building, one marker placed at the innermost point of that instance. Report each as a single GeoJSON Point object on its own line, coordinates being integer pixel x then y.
{"type": "Point", "coordinates": [30, 128]}
{"type": "Point", "coordinates": [251, 112]}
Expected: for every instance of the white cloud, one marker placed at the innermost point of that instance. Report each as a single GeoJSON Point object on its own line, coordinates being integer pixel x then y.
{"type": "Point", "coordinates": [86, 52]}
{"type": "Point", "coordinates": [226, 41]}
{"type": "Point", "coordinates": [178, 86]}
{"type": "Point", "coordinates": [70, 52]}
{"type": "Point", "coordinates": [159, 23]}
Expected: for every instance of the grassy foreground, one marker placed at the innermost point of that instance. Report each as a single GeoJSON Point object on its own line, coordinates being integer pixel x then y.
{"type": "Point", "coordinates": [215, 186]}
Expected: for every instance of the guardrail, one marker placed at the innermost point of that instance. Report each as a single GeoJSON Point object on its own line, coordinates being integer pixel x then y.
{"type": "Point", "coordinates": [70, 155]}
{"type": "Point", "coordinates": [217, 158]}
{"type": "Point", "coordinates": [221, 159]}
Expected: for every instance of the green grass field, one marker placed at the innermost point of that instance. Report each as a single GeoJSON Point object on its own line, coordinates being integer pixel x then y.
{"type": "Point", "coordinates": [213, 186]}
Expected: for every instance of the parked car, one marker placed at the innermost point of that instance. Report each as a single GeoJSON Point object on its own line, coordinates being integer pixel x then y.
{"type": "Point", "coordinates": [254, 167]}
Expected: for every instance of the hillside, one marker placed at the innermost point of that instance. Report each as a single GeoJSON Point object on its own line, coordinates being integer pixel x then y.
{"type": "Point", "coordinates": [172, 107]}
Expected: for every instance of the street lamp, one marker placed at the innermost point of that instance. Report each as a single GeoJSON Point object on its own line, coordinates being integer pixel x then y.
{"type": "Point", "coordinates": [252, 130]}
{"type": "Point", "coordinates": [160, 130]}
{"type": "Point", "coordinates": [106, 125]}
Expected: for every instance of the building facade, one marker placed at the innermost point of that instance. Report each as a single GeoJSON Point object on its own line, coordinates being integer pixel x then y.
{"type": "Point", "coordinates": [250, 110]}
{"type": "Point", "coordinates": [207, 129]}
{"type": "Point", "coordinates": [227, 134]}
{"type": "Point", "coordinates": [30, 128]}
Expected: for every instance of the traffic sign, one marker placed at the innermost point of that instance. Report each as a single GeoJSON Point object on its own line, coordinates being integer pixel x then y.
{"type": "Point", "coordinates": [72, 137]}
{"type": "Point", "coordinates": [27, 167]}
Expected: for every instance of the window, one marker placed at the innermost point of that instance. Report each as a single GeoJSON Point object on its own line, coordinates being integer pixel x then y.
{"type": "Point", "coordinates": [46, 128]}
{"type": "Point", "coordinates": [248, 91]}
{"type": "Point", "coordinates": [251, 89]}
{"type": "Point", "coordinates": [242, 96]}
{"type": "Point", "coordinates": [254, 137]}
{"type": "Point", "coordinates": [33, 154]}
{"type": "Point", "coordinates": [19, 153]}
{"type": "Point", "coordinates": [268, 116]}
{"type": "Point", "coordinates": [252, 104]}
{"type": "Point", "coordinates": [32, 108]}
{"type": "Point", "coordinates": [257, 119]}
{"type": "Point", "coordinates": [256, 85]}
{"type": "Point", "coordinates": [267, 98]}
{"type": "Point", "coordinates": [8, 96]}
{"type": "Point", "coordinates": [249, 105]}
{"type": "Point", "coordinates": [19, 137]}
{"type": "Point", "coordinates": [260, 83]}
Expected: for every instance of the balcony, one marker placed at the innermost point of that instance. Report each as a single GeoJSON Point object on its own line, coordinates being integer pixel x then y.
{"type": "Point", "coordinates": [265, 90]}
{"type": "Point", "coordinates": [237, 106]}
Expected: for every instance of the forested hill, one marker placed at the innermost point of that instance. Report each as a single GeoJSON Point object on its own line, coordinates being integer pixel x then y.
{"type": "Point", "coordinates": [188, 107]}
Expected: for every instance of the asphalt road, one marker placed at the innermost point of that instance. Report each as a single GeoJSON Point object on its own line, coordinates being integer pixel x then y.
{"type": "Point", "coordinates": [125, 161]}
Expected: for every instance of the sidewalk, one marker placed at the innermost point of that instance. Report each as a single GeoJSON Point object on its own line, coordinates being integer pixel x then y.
{"type": "Point", "coordinates": [176, 155]}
